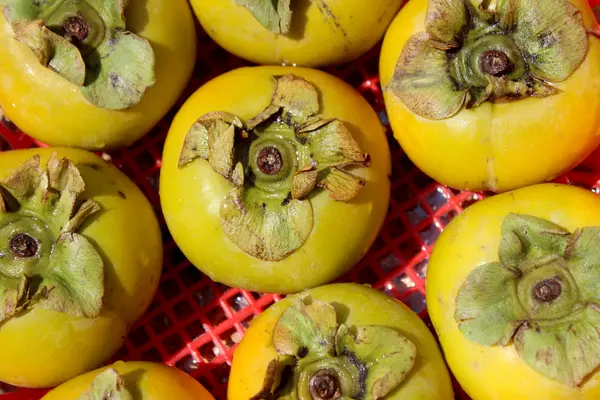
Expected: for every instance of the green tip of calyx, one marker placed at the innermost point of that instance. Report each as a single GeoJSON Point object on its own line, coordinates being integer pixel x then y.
{"type": "Point", "coordinates": [275, 161]}
{"type": "Point", "coordinates": [87, 43]}
{"type": "Point", "coordinates": [544, 294]}
{"type": "Point", "coordinates": [330, 360]}
{"type": "Point", "coordinates": [476, 51]}
{"type": "Point", "coordinates": [108, 385]}
{"type": "Point", "coordinates": [274, 15]}
{"type": "Point", "coordinates": [44, 263]}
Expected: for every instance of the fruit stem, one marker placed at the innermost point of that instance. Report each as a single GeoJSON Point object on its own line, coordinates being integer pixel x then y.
{"type": "Point", "coordinates": [496, 63]}
{"type": "Point", "coordinates": [324, 385]}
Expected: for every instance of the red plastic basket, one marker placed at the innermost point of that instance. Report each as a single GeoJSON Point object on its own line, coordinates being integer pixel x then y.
{"type": "Point", "coordinates": [194, 324]}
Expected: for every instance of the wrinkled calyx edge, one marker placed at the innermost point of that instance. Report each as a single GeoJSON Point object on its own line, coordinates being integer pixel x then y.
{"type": "Point", "coordinates": [274, 15]}
{"type": "Point", "coordinates": [275, 161]}
{"type": "Point", "coordinates": [449, 66]}
{"type": "Point", "coordinates": [64, 273]}
{"type": "Point", "coordinates": [108, 385]}
{"type": "Point", "coordinates": [87, 43]}
{"type": "Point", "coordinates": [543, 295]}
{"type": "Point", "coordinates": [323, 359]}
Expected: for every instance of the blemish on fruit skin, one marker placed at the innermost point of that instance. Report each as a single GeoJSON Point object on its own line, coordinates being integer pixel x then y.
{"type": "Point", "coordinates": [122, 195]}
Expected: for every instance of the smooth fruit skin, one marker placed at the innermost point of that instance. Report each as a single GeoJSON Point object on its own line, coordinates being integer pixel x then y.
{"type": "Point", "coordinates": [500, 146]}
{"type": "Point", "coordinates": [53, 111]}
{"type": "Point", "coordinates": [43, 348]}
{"type": "Point", "coordinates": [146, 380]}
{"type": "Point", "coordinates": [342, 233]}
{"type": "Point", "coordinates": [472, 239]}
{"type": "Point", "coordinates": [429, 379]}
{"type": "Point", "coordinates": [322, 32]}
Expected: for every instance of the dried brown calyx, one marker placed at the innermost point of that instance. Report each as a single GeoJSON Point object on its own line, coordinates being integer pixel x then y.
{"type": "Point", "coordinates": [275, 161]}
{"type": "Point", "coordinates": [87, 43]}
{"type": "Point", "coordinates": [43, 261]}
{"type": "Point", "coordinates": [544, 293]}
{"type": "Point", "coordinates": [326, 360]}
{"type": "Point", "coordinates": [475, 51]}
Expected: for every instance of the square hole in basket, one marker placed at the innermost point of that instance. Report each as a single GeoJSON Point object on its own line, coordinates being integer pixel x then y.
{"type": "Point", "coordinates": [4, 145]}
{"type": "Point", "coordinates": [144, 161]}
{"type": "Point", "coordinates": [160, 323]}
{"type": "Point", "coordinates": [176, 257]}
{"type": "Point", "coordinates": [216, 316]}
{"type": "Point", "coordinates": [195, 329]}
{"type": "Point", "coordinates": [152, 355]}
{"type": "Point", "coordinates": [209, 352]}
{"type": "Point", "coordinates": [139, 337]}
{"type": "Point", "coordinates": [416, 301]}
{"type": "Point", "coordinates": [368, 275]}
{"type": "Point", "coordinates": [183, 309]}
{"type": "Point", "coordinates": [221, 372]}
{"type": "Point", "coordinates": [246, 323]}
{"type": "Point", "coordinates": [389, 262]}
{"type": "Point", "coordinates": [187, 364]}
{"type": "Point", "coordinates": [238, 302]}
{"type": "Point", "coordinates": [231, 337]}
{"type": "Point", "coordinates": [449, 216]}
{"type": "Point", "coordinates": [203, 296]}
{"type": "Point", "coordinates": [421, 180]}
{"type": "Point", "coordinates": [409, 248]}
{"type": "Point", "coordinates": [169, 288]}
{"type": "Point", "coordinates": [436, 199]}
{"type": "Point", "coordinates": [153, 180]}
{"type": "Point", "coordinates": [395, 227]}
{"type": "Point", "coordinates": [190, 275]}
{"type": "Point", "coordinates": [173, 344]}
{"type": "Point", "coordinates": [429, 234]}
{"type": "Point", "coordinates": [402, 193]}
{"type": "Point", "coordinates": [421, 269]}
{"type": "Point", "coordinates": [416, 214]}
{"type": "Point", "coordinates": [403, 282]}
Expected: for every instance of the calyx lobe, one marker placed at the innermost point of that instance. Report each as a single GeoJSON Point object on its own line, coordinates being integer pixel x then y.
{"type": "Point", "coordinates": [274, 15]}
{"type": "Point", "coordinates": [86, 42]}
{"type": "Point", "coordinates": [108, 385]}
{"type": "Point", "coordinates": [44, 263]}
{"type": "Point", "coordinates": [543, 293]}
{"type": "Point", "coordinates": [275, 161]}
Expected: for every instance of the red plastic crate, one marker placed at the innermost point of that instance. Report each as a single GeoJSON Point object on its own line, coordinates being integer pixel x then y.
{"type": "Point", "coordinates": [194, 324]}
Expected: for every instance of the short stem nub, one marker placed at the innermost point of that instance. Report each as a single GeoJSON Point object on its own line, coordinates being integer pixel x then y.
{"type": "Point", "coordinates": [76, 27]}
{"type": "Point", "coordinates": [547, 290]}
{"type": "Point", "coordinates": [269, 161]}
{"type": "Point", "coordinates": [23, 245]}
{"type": "Point", "coordinates": [324, 385]}
{"type": "Point", "coordinates": [496, 63]}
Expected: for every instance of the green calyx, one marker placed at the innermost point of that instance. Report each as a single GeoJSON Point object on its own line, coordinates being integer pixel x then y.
{"type": "Point", "coordinates": [274, 162]}
{"type": "Point", "coordinates": [322, 359]}
{"type": "Point", "coordinates": [108, 385]}
{"type": "Point", "coordinates": [274, 15]}
{"type": "Point", "coordinates": [87, 43]}
{"type": "Point", "coordinates": [544, 293]}
{"type": "Point", "coordinates": [475, 51]}
{"type": "Point", "coordinates": [44, 263]}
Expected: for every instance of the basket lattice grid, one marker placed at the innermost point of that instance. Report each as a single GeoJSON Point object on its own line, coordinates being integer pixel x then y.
{"type": "Point", "coordinates": [194, 323]}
